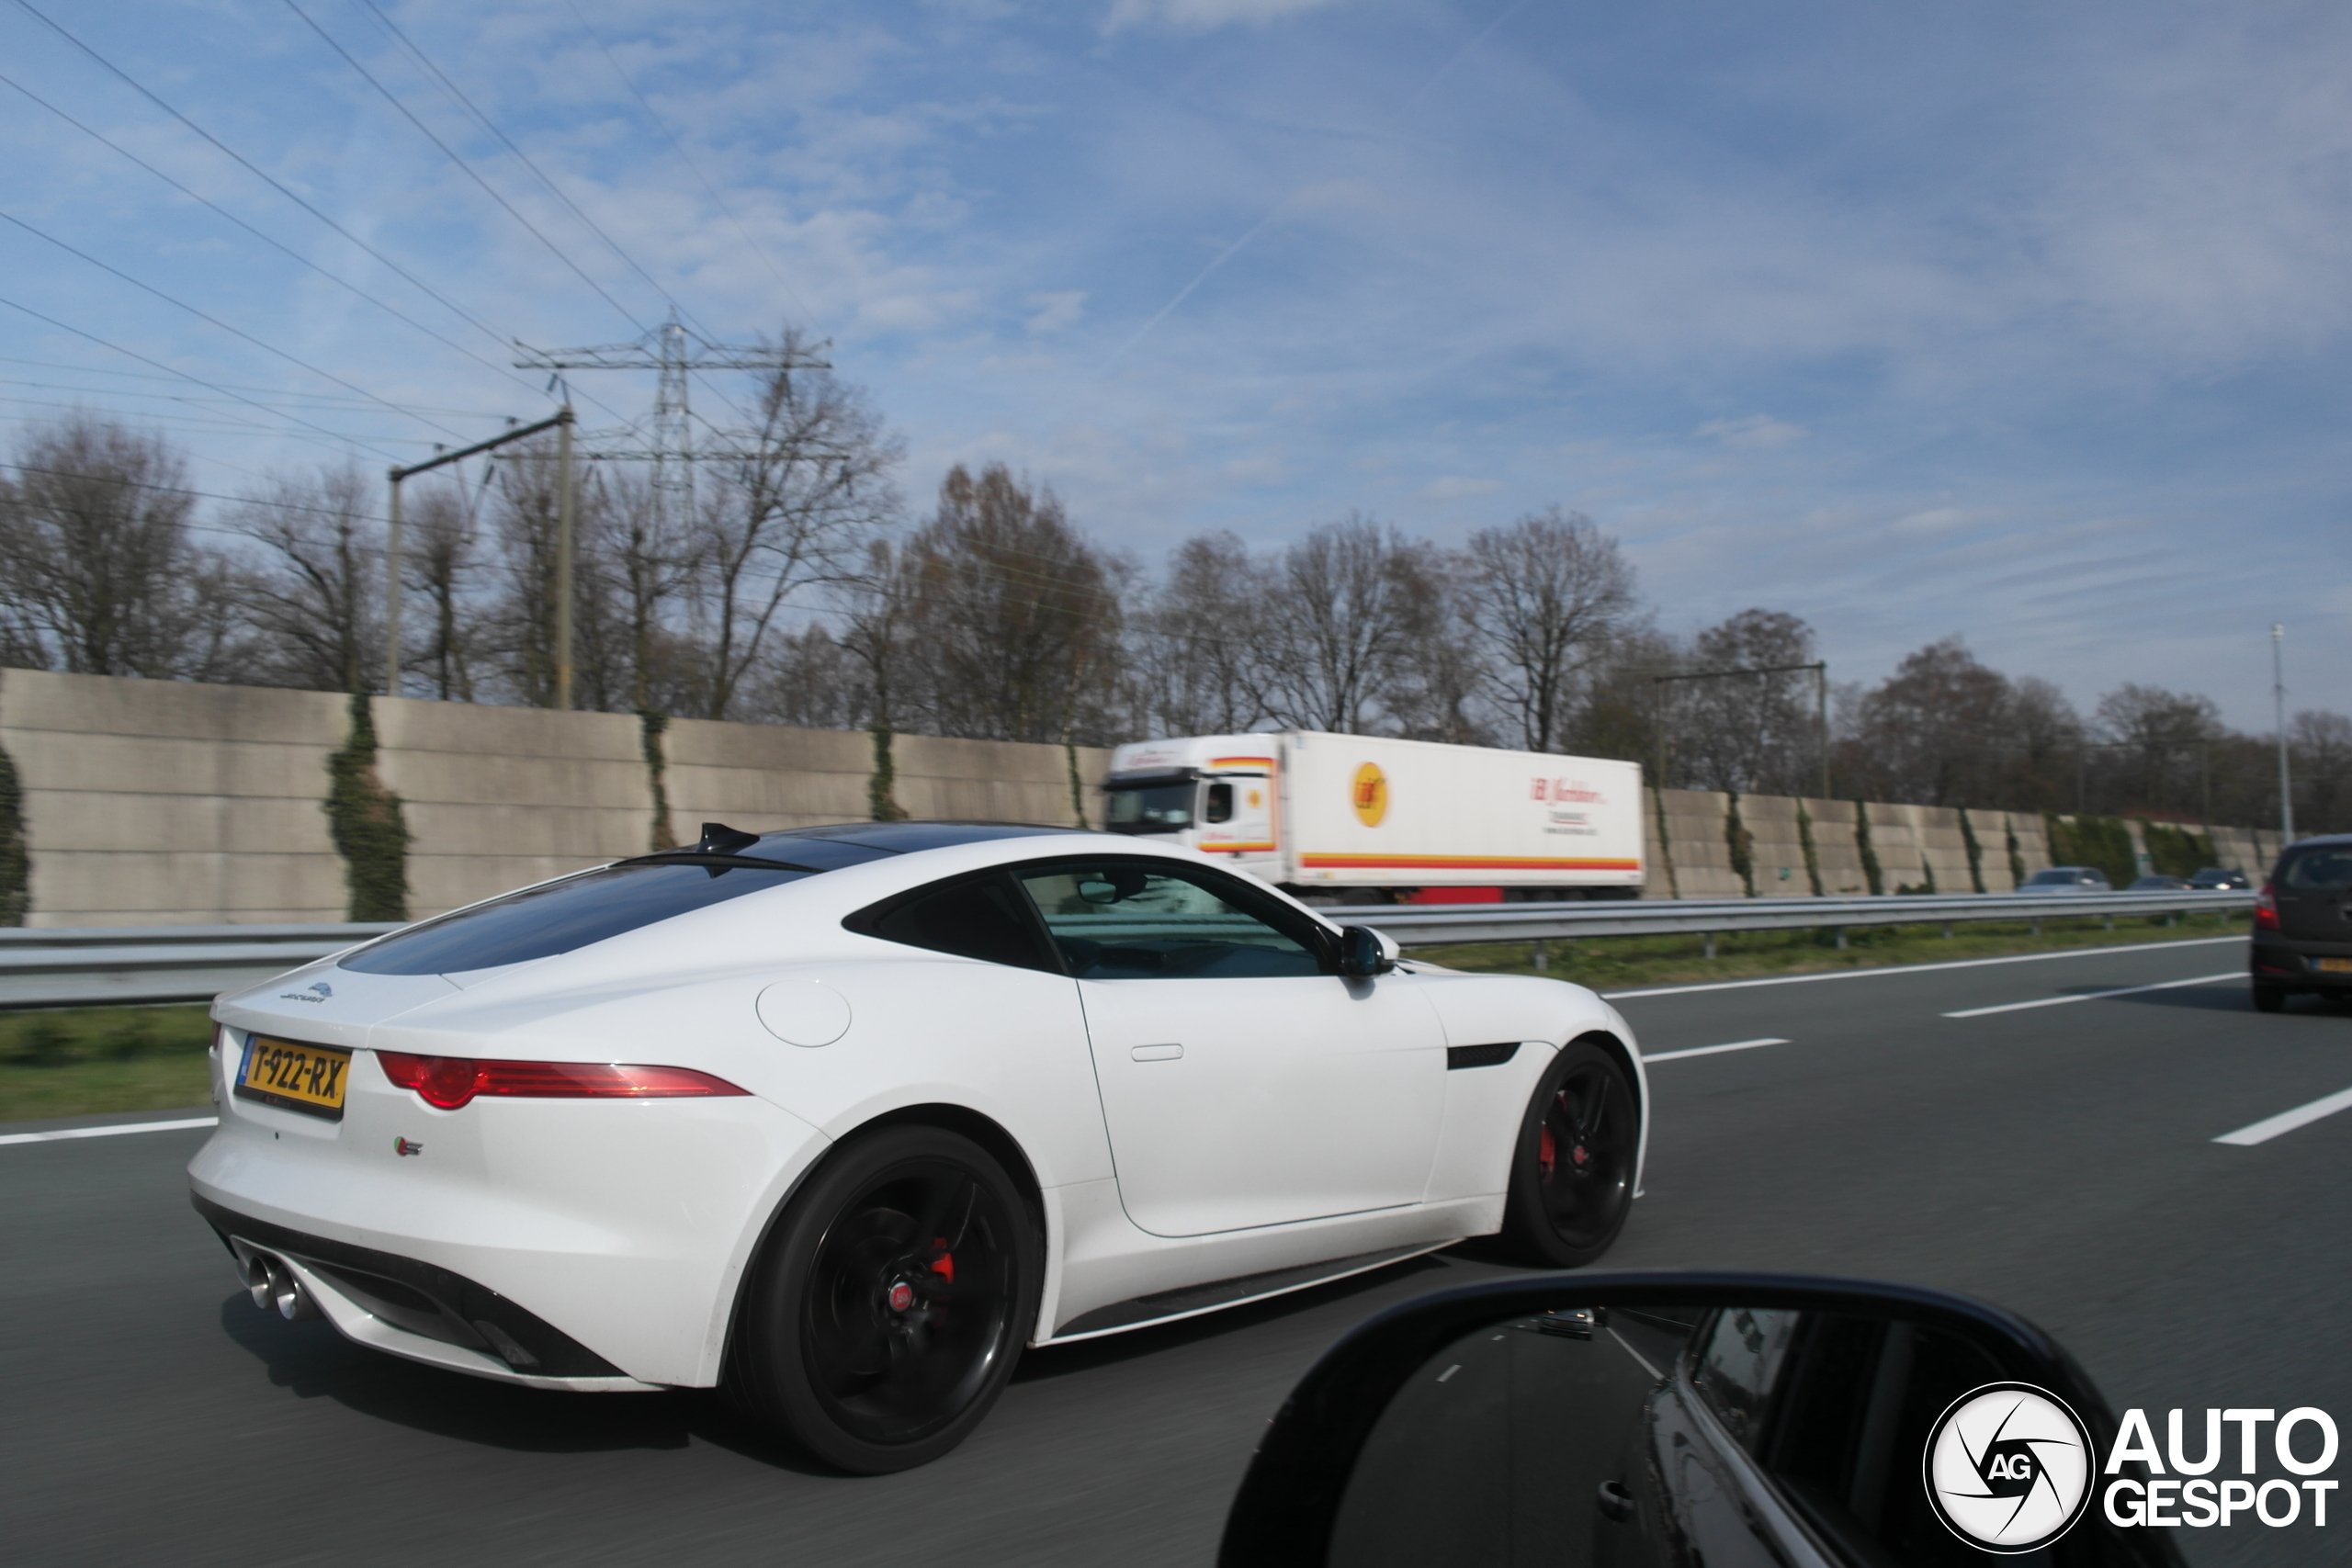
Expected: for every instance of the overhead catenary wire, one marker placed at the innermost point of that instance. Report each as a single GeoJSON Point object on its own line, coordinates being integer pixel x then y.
{"type": "Point", "coordinates": [404, 273]}
{"type": "Point", "coordinates": [269, 240]}
{"type": "Point", "coordinates": [464, 166]}
{"type": "Point", "coordinates": [212, 320]}
{"type": "Point", "coordinates": [325, 401]}
{"type": "Point", "coordinates": [198, 380]}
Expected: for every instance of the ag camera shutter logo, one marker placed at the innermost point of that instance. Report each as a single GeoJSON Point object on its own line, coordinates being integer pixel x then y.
{"type": "Point", "coordinates": [2008, 1468]}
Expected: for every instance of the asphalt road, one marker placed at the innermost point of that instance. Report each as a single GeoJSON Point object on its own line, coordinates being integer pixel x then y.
{"type": "Point", "coordinates": [2058, 1159]}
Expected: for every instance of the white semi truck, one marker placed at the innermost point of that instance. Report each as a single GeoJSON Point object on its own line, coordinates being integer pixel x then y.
{"type": "Point", "coordinates": [1361, 817]}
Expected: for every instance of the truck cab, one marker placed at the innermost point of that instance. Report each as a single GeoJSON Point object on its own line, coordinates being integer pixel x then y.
{"type": "Point", "coordinates": [1217, 793]}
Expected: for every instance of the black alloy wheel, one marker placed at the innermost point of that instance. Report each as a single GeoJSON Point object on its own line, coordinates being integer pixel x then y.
{"type": "Point", "coordinates": [1572, 1170]}
{"type": "Point", "coordinates": [885, 1313]}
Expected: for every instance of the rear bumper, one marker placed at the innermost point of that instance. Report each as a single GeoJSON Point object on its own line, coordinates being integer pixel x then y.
{"type": "Point", "coordinates": [2279, 960]}
{"type": "Point", "coordinates": [620, 1227]}
{"type": "Point", "coordinates": [420, 1310]}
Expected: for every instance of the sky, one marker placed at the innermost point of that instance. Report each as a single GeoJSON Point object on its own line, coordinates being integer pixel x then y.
{"type": "Point", "coordinates": [2025, 324]}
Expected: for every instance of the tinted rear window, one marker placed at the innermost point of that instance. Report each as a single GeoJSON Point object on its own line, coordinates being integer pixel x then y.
{"type": "Point", "coordinates": [2319, 868]}
{"type": "Point", "coordinates": [559, 917]}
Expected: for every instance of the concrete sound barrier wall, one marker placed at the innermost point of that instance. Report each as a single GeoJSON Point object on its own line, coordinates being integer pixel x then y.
{"type": "Point", "coordinates": [1992, 832]}
{"type": "Point", "coordinates": [1776, 847]}
{"type": "Point", "coordinates": [1698, 844]}
{"type": "Point", "coordinates": [1836, 849]}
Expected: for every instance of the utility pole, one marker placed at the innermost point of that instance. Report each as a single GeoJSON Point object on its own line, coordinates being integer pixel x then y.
{"type": "Point", "coordinates": [2279, 695]}
{"type": "Point", "coordinates": [667, 439]}
{"type": "Point", "coordinates": [562, 422]}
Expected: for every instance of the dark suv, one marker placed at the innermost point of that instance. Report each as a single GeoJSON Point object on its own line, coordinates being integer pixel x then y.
{"type": "Point", "coordinates": [2302, 923]}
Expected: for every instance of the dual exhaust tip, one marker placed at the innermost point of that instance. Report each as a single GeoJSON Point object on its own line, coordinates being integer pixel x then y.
{"type": "Point", "coordinates": [274, 1287]}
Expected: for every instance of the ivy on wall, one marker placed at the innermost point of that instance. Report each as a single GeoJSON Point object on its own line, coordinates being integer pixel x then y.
{"type": "Point", "coordinates": [1665, 843]}
{"type": "Point", "coordinates": [2017, 851]}
{"type": "Point", "coordinates": [1742, 844]}
{"type": "Point", "coordinates": [1812, 855]}
{"type": "Point", "coordinates": [1976, 850]}
{"type": "Point", "coordinates": [1863, 847]}
{"type": "Point", "coordinates": [2101, 842]}
{"type": "Point", "coordinates": [364, 819]}
{"type": "Point", "coordinates": [649, 728]}
{"type": "Point", "coordinates": [2176, 852]}
{"type": "Point", "coordinates": [881, 786]}
{"type": "Point", "coordinates": [16, 862]}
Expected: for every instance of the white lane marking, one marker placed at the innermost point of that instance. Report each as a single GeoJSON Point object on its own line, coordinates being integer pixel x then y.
{"type": "Point", "coordinates": [2269, 1127]}
{"type": "Point", "coordinates": [1707, 1050]}
{"type": "Point", "coordinates": [1644, 1360]}
{"type": "Point", "coordinates": [1920, 968]}
{"type": "Point", "coordinates": [108, 1131]}
{"type": "Point", "coordinates": [2099, 995]}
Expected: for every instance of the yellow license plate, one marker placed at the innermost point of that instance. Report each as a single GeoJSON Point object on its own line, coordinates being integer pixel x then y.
{"type": "Point", "coordinates": [2336, 965]}
{"type": "Point", "coordinates": [300, 1078]}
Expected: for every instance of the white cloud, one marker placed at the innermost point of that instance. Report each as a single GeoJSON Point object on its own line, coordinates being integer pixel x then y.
{"type": "Point", "coordinates": [1058, 309]}
{"type": "Point", "coordinates": [1455, 487]}
{"type": "Point", "coordinates": [1756, 432]}
{"type": "Point", "coordinates": [1202, 16]}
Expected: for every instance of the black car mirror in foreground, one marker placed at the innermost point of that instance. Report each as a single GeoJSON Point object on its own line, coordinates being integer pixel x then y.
{"type": "Point", "coordinates": [1641, 1420]}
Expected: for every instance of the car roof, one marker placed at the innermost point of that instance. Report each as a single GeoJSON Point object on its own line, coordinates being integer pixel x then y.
{"type": "Point", "coordinates": [908, 838]}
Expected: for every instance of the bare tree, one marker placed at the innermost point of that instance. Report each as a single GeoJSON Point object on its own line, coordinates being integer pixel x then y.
{"type": "Point", "coordinates": [441, 569]}
{"type": "Point", "coordinates": [1443, 686]}
{"type": "Point", "coordinates": [314, 596]}
{"type": "Point", "coordinates": [1746, 732]}
{"type": "Point", "coordinates": [1195, 641]}
{"type": "Point", "coordinates": [2154, 739]}
{"type": "Point", "coordinates": [792, 512]}
{"type": "Point", "coordinates": [97, 574]}
{"type": "Point", "coordinates": [521, 622]}
{"type": "Point", "coordinates": [1545, 596]}
{"type": "Point", "coordinates": [1937, 731]}
{"type": "Point", "coordinates": [638, 563]}
{"type": "Point", "coordinates": [1014, 613]}
{"type": "Point", "coordinates": [1338, 618]}
{"type": "Point", "coordinates": [2319, 744]}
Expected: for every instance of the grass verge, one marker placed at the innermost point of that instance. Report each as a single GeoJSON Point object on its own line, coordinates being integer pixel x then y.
{"type": "Point", "coordinates": [82, 1061]}
{"type": "Point", "coordinates": [1627, 962]}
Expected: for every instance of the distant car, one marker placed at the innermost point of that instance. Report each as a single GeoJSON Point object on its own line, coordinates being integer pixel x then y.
{"type": "Point", "coordinates": [2302, 923]}
{"type": "Point", "coordinates": [2217, 879]}
{"type": "Point", "coordinates": [2067, 879]}
{"type": "Point", "coordinates": [2158, 884]}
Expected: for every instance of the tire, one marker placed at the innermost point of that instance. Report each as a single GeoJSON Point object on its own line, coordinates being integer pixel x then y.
{"type": "Point", "coordinates": [1572, 1169]}
{"type": "Point", "coordinates": [2269, 999]}
{"type": "Point", "coordinates": [884, 1311]}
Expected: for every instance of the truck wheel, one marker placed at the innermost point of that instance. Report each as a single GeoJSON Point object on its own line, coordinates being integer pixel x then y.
{"type": "Point", "coordinates": [886, 1310]}
{"type": "Point", "coordinates": [2268, 998]}
{"type": "Point", "coordinates": [1572, 1169]}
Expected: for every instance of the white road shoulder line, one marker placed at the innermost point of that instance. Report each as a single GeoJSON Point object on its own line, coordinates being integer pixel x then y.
{"type": "Point", "coordinates": [2098, 996]}
{"type": "Point", "coordinates": [2269, 1127]}
{"type": "Point", "coordinates": [1919, 968]}
{"type": "Point", "coordinates": [1709, 1050]}
{"type": "Point", "coordinates": [108, 1132]}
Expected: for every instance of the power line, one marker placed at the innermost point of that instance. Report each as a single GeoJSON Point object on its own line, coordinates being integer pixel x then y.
{"type": "Point", "coordinates": [215, 321]}
{"type": "Point", "coordinates": [324, 399]}
{"type": "Point", "coordinates": [268, 240]}
{"type": "Point", "coordinates": [464, 167]}
{"type": "Point", "coordinates": [199, 380]}
{"type": "Point", "coordinates": [199, 424]}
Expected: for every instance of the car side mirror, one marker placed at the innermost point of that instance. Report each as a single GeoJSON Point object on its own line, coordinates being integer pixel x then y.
{"type": "Point", "coordinates": [1364, 952]}
{"type": "Point", "coordinates": [1634, 1418]}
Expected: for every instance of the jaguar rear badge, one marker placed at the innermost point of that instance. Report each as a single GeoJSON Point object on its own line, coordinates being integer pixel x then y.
{"type": "Point", "coordinates": [402, 1146]}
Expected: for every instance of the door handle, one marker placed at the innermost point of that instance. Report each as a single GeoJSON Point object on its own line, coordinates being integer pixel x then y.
{"type": "Point", "coordinates": [1616, 1504]}
{"type": "Point", "coordinates": [1167, 1052]}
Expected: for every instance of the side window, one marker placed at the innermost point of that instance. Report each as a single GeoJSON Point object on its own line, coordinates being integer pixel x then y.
{"type": "Point", "coordinates": [1220, 806]}
{"type": "Point", "coordinates": [979, 918]}
{"type": "Point", "coordinates": [1737, 1363]}
{"type": "Point", "coordinates": [1128, 921]}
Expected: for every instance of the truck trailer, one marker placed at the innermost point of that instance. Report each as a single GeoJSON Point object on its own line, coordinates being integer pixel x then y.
{"type": "Point", "coordinates": [1341, 819]}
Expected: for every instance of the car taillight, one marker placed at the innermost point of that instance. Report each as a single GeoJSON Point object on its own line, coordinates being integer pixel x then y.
{"type": "Point", "coordinates": [2266, 911]}
{"type": "Point", "coordinates": [450, 1081]}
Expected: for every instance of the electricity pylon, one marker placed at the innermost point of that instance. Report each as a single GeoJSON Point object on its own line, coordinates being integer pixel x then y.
{"type": "Point", "coordinates": [667, 439]}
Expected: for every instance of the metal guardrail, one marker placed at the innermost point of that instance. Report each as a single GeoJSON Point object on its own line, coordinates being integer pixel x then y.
{"type": "Point", "coordinates": [125, 966]}
{"type": "Point", "coordinates": [1433, 925]}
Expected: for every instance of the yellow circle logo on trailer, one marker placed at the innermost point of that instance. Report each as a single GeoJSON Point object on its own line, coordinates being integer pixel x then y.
{"type": "Point", "coordinates": [1370, 795]}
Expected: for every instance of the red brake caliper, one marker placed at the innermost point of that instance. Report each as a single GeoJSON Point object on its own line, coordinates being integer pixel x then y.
{"type": "Point", "coordinates": [945, 1264]}
{"type": "Point", "coordinates": [1548, 1154]}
